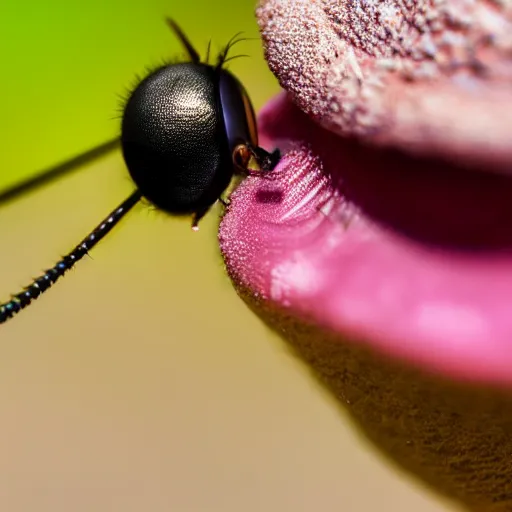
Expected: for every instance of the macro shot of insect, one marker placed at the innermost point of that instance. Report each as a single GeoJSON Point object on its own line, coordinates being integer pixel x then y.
{"type": "Point", "coordinates": [186, 129]}
{"type": "Point", "coordinates": [102, 379]}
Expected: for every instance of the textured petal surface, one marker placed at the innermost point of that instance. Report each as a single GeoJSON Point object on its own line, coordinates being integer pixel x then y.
{"type": "Point", "coordinates": [380, 248]}
{"type": "Point", "coordinates": [299, 241]}
{"type": "Point", "coordinates": [422, 76]}
{"type": "Point", "coordinates": [357, 291]}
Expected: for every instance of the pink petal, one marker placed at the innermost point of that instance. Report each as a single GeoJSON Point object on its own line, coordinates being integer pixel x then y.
{"type": "Point", "coordinates": [432, 78]}
{"type": "Point", "coordinates": [300, 244]}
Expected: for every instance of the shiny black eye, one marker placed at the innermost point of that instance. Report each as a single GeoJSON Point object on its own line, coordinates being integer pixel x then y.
{"type": "Point", "coordinates": [173, 139]}
{"type": "Point", "coordinates": [180, 129]}
{"type": "Point", "coordinates": [186, 129]}
{"type": "Point", "coordinates": [237, 110]}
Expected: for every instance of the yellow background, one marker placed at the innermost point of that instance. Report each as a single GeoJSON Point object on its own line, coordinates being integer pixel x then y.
{"type": "Point", "coordinates": [141, 382]}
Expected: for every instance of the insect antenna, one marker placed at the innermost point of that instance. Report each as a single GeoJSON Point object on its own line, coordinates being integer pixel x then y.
{"type": "Point", "coordinates": [42, 283]}
{"type": "Point", "coordinates": [234, 57]}
{"type": "Point", "coordinates": [208, 51]}
{"type": "Point", "coordinates": [224, 53]}
{"type": "Point", "coordinates": [53, 173]}
{"type": "Point", "coordinates": [194, 56]}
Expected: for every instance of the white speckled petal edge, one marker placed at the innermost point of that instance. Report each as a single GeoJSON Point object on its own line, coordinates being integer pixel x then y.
{"type": "Point", "coordinates": [429, 77]}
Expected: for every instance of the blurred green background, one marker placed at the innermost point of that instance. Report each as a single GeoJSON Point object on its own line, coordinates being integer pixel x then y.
{"type": "Point", "coordinates": [65, 63]}
{"type": "Point", "coordinates": [141, 382]}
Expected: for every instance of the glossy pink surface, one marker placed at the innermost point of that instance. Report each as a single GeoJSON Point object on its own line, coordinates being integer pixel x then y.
{"type": "Point", "coordinates": [416, 264]}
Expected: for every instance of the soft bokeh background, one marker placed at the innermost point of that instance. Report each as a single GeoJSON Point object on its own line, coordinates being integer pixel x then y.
{"type": "Point", "coordinates": [141, 382]}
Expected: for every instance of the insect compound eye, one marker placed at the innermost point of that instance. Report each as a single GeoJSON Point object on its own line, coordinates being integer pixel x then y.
{"type": "Point", "coordinates": [251, 118]}
{"type": "Point", "coordinates": [170, 138]}
{"type": "Point", "coordinates": [237, 111]}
